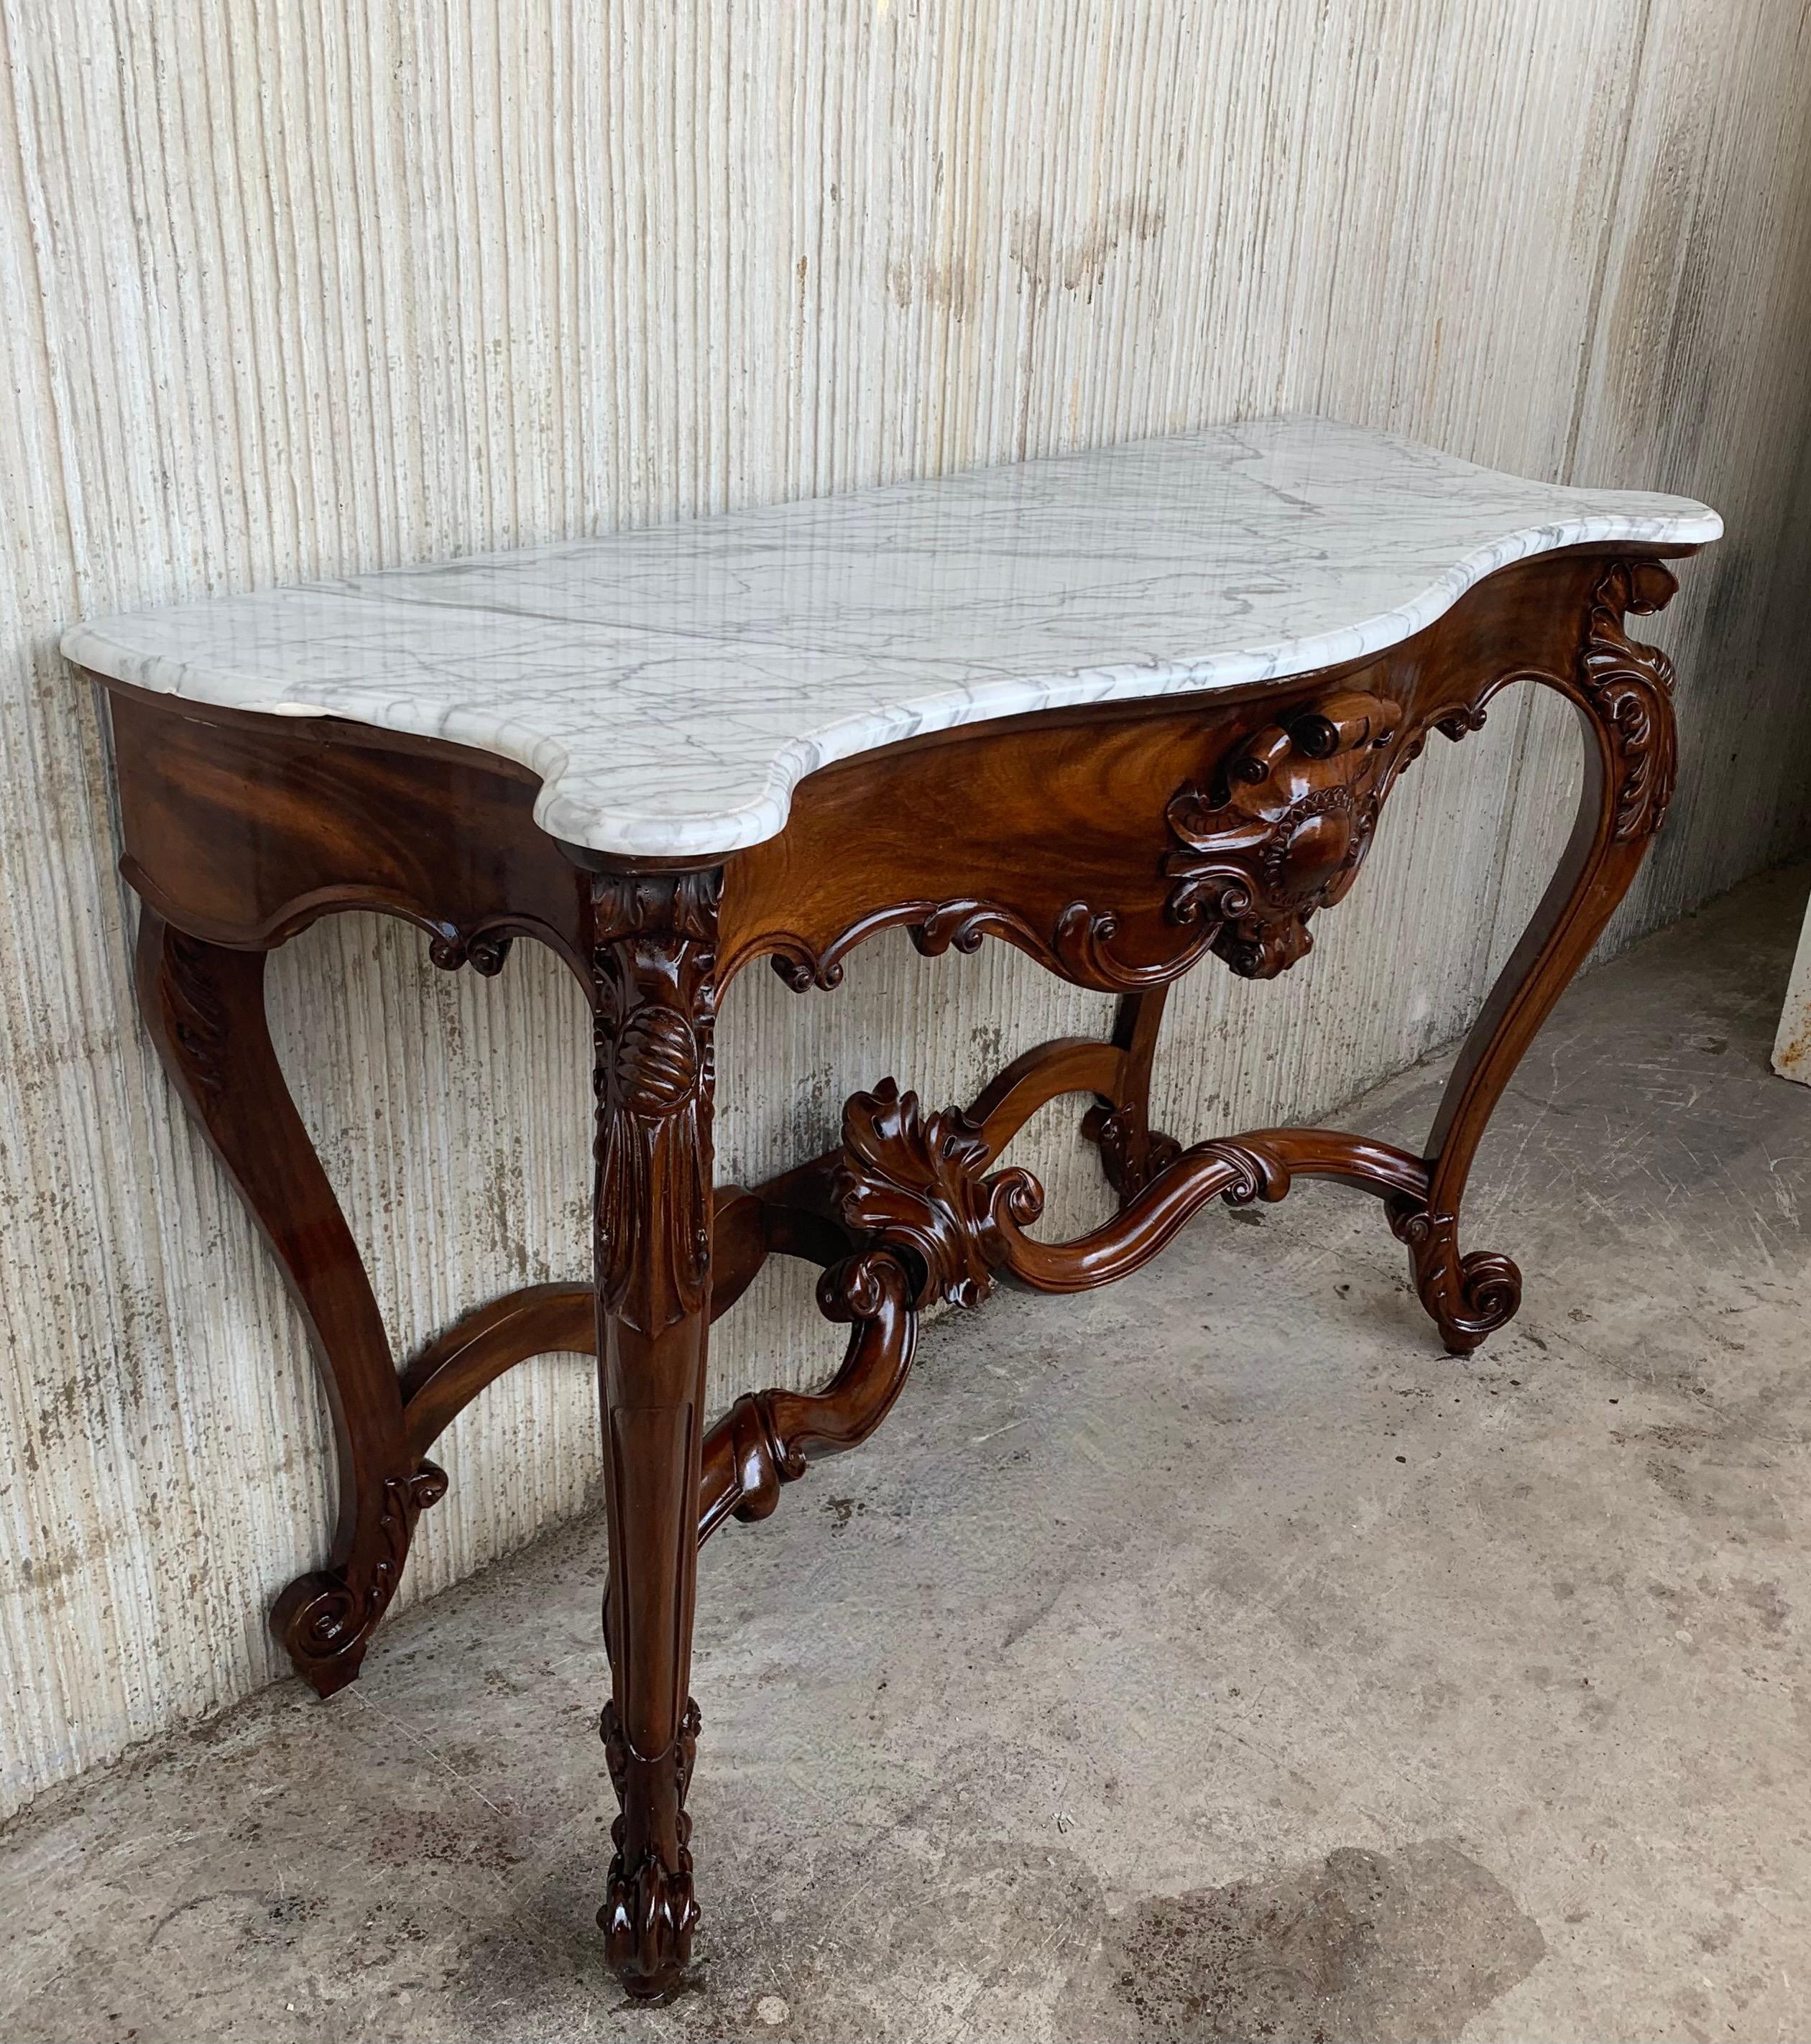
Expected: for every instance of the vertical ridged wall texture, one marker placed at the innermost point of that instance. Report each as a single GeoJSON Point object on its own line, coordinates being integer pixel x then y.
{"type": "Point", "coordinates": [291, 289]}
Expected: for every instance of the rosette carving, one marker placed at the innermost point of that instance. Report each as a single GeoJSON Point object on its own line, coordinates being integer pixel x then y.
{"type": "Point", "coordinates": [1281, 831]}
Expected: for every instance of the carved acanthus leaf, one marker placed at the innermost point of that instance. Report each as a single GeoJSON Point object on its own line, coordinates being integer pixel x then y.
{"type": "Point", "coordinates": [648, 1911]}
{"type": "Point", "coordinates": [1131, 1153]}
{"type": "Point", "coordinates": [915, 1180]}
{"type": "Point", "coordinates": [653, 954]}
{"type": "Point", "coordinates": [1621, 678]}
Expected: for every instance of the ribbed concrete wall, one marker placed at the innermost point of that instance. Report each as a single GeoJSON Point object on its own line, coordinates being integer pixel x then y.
{"type": "Point", "coordinates": [292, 288]}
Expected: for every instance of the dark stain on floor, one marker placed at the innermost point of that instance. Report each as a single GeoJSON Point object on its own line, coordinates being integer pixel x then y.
{"type": "Point", "coordinates": [1358, 1948]}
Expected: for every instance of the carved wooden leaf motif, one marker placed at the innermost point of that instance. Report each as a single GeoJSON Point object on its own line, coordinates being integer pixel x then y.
{"type": "Point", "coordinates": [1282, 830]}
{"type": "Point", "coordinates": [1621, 678]}
{"type": "Point", "coordinates": [654, 1010]}
{"type": "Point", "coordinates": [915, 1180]}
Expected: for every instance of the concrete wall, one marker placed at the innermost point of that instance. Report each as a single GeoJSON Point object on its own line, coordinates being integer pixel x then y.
{"type": "Point", "coordinates": [290, 290]}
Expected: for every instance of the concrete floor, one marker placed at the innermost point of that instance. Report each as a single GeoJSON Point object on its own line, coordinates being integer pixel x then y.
{"type": "Point", "coordinates": [1210, 1658]}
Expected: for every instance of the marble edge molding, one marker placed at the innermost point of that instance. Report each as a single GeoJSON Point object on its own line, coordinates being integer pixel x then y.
{"type": "Point", "coordinates": [591, 824]}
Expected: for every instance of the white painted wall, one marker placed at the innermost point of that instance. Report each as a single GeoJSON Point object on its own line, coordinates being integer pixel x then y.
{"type": "Point", "coordinates": [1792, 1040]}
{"type": "Point", "coordinates": [291, 289]}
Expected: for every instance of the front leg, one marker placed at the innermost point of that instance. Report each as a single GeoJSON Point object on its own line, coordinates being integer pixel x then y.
{"type": "Point", "coordinates": [653, 945]}
{"type": "Point", "coordinates": [1622, 691]}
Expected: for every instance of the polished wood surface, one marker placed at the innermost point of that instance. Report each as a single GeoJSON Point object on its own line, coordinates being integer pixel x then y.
{"type": "Point", "coordinates": [1119, 846]}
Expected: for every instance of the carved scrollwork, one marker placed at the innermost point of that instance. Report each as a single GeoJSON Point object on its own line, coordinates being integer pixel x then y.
{"type": "Point", "coordinates": [1621, 679]}
{"type": "Point", "coordinates": [1281, 832]}
{"type": "Point", "coordinates": [1078, 947]}
{"type": "Point", "coordinates": [761, 1457]}
{"type": "Point", "coordinates": [649, 1911]}
{"type": "Point", "coordinates": [326, 1615]}
{"type": "Point", "coordinates": [485, 949]}
{"type": "Point", "coordinates": [760, 1443]}
{"type": "Point", "coordinates": [914, 1182]}
{"type": "Point", "coordinates": [1468, 1297]}
{"type": "Point", "coordinates": [653, 952]}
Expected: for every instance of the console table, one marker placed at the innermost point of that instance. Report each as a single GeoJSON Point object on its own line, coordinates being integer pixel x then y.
{"type": "Point", "coordinates": [1121, 710]}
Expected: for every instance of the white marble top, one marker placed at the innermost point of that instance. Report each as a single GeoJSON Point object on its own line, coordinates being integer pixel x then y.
{"type": "Point", "coordinates": [672, 686]}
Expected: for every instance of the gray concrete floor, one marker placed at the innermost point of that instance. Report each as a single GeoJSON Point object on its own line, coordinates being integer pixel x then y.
{"type": "Point", "coordinates": [1209, 1657]}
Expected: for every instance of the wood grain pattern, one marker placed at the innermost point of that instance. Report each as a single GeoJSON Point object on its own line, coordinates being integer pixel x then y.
{"type": "Point", "coordinates": [302, 290]}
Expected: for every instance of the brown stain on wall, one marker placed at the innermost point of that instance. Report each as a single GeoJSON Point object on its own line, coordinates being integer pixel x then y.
{"type": "Point", "coordinates": [1045, 257]}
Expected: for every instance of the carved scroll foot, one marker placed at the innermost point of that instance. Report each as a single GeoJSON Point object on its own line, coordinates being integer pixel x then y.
{"type": "Point", "coordinates": [648, 1911]}
{"type": "Point", "coordinates": [325, 1618]}
{"type": "Point", "coordinates": [1468, 1297]}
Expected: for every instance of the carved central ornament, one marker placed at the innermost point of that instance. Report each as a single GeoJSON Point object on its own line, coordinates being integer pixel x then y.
{"type": "Point", "coordinates": [655, 1061]}
{"type": "Point", "coordinates": [1282, 830]}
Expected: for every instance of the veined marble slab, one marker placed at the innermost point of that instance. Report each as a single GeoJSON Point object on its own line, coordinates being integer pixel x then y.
{"type": "Point", "coordinates": [672, 686]}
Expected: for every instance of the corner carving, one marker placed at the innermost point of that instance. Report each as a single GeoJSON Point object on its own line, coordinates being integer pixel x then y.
{"type": "Point", "coordinates": [914, 1182]}
{"type": "Point", "coordinates": [653, 956]}
{"type": "Point", "coordinates": [1282, 830]}
{"type": "Point", "coordinates": [1628, 685]}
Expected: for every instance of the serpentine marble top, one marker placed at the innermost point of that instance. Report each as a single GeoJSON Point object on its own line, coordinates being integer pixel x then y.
{"type": "Point", "coordinates": [671, 687]}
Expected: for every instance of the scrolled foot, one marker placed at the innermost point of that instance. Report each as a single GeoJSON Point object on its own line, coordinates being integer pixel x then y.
{"type": "Point", "coordinates": [648, 1912]}
{"type": "Point", "coordinates": [325, 1618]}
{"type": "Point", "coordinates": [1468, 1297]}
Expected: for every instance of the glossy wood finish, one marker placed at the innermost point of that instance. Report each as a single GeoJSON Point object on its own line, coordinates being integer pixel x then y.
{"type": "Point", "coordinates": [1119, 846]}
{"type": "Point", "coordinates": [205, 1007]}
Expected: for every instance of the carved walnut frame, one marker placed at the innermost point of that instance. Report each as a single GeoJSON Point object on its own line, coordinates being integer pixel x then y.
{"type": "Point", "coordinates": [1116, 845]}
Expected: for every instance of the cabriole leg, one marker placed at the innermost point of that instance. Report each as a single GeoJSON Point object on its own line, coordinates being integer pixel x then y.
{"type": "Point", "coordinates": [1623, 692]}
{"type": "Point", "coordinates": [203, 1005]}
{"type": "Point", "coordinates": [652, 957]}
